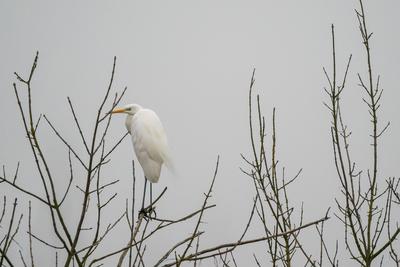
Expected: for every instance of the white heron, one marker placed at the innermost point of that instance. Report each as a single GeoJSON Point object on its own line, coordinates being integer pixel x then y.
{"type": "Point", "coordinates": [149, 141]}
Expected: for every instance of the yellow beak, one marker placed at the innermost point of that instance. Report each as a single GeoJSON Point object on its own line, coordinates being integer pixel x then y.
{"type": "Point", "coordinates": [118, 110]}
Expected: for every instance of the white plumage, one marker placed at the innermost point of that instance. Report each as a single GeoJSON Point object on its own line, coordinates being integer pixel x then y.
{"type": "Point", "coordinates": [148, 138]}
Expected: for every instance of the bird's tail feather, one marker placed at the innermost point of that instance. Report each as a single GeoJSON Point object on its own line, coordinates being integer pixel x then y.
{"type": "Point", "coordinates": [169, 164]}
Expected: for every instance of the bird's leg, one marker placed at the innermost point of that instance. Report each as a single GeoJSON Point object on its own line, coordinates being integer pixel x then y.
{"type": "Point", "coordinates": [144, 194]}
{"type": "Point", "coordinates": [151, 195]}
{"type": "Point", "coordinates": [152, 209]}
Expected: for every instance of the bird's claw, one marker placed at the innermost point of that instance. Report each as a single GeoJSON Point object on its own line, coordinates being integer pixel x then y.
{"type": "Point", "coordinates": [148, 211]}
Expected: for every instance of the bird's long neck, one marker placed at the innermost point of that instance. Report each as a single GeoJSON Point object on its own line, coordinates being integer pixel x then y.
{"type": "Point", "coordinates": [128, 122]}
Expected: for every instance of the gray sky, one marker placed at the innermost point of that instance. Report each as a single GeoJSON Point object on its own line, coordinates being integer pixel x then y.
{"type": "Point", "coordinates": [191, 62]}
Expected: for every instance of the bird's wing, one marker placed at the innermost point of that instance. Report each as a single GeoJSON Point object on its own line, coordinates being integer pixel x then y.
{"type": "Point", "coordinates": [149, 136]}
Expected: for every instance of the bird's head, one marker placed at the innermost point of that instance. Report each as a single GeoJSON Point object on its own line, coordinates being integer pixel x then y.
{"type": "Point", "coordinates": [130, 109]}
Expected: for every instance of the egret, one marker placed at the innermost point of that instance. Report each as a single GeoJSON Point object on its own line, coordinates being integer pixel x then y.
{"type": "Point", "coordinates": [149, 142]}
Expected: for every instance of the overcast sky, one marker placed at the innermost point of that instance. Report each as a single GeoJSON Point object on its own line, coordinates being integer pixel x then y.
{"type": "Point", "coordinates": [191, 62]}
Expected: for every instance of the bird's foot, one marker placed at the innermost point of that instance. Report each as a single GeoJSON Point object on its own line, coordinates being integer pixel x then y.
{"type": "Point", "coordinates": [148, 212]}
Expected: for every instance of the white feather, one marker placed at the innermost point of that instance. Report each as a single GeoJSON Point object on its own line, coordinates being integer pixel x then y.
{"type": "Point", "coordinates": [149, 142]}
